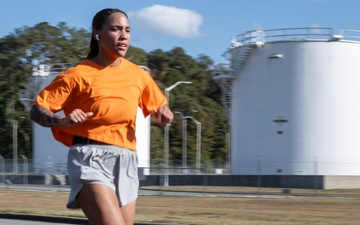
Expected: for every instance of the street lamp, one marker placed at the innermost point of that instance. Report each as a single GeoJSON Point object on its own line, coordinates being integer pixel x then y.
{"type": "Point", "coordinates": [14, 123]}
{"type": "Point", "coordinates": [166, 133]}
{"type": "Point", "coordinates": [25, 169]}
{"type": "Point", "coordinates": [184, 140]}
{"type": "Point", "coordinates": [15, 144]}
{"type": "Point", "coordinates": [198, 143]}
{"type": "Point", "coordinates": [2, 163]}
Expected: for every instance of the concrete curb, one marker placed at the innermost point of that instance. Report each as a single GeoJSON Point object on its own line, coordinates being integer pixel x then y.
{"type": "Point", "coordinates": [57, 219]}
{"type": "Point", "coordinates": [43, 218]}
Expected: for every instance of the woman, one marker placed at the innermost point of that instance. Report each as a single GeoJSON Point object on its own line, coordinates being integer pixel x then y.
{"type": "Point", "coordinates": [100, 97]}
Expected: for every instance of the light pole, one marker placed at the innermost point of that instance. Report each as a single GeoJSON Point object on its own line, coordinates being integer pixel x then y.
{"type": "Point", "coordinates": [198, 143]}
{"type": "Point", "coordinates": [166, 134]}
{"type": "Point", "coordinates": [2, 164]}
{"type": "Point", "coordinates": [25, 169]}
{"type": "Point", "coordinates": [184, 140]}
{"type": "Point", "coordinates": [15, 144]}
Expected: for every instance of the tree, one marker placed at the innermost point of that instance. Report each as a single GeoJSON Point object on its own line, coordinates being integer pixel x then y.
{"type": "Point", "coordinates": [203, 97]}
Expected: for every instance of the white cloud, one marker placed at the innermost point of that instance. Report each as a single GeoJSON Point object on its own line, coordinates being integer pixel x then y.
{"type": "Point", "coordinates": [166, 20]}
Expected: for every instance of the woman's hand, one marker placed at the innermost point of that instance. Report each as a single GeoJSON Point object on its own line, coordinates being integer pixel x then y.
{"type": "Point", "coordinates": [77, 116]}
{"type": "Point", "coordinates": [163, 115]}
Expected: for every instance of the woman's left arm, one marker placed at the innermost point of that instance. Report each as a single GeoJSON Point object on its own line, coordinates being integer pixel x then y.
{"type": "Point", "coordinates": [163, 115]}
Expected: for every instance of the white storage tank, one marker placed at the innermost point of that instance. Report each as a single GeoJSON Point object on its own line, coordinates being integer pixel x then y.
{"type": "Point", "coordinates": [50, 156]}
{"type": "Point", "coordinates": [295, 102]}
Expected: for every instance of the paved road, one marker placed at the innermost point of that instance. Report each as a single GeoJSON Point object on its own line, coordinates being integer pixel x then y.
{"type": "Point", "coordinates": [26, 222]}
{"type": "Point", "coordinates": [23, 219]}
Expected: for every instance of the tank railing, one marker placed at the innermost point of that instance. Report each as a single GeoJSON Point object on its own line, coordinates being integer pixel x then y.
{"type": "Point", "coordinates": [272, 35]}
{"type": "Point", "coordinates": [251, 37]}
{"type": "Point", "coordinates": [59, 67]}
{"type": "Point", "coordinates": [299, 34]}
{"type": "Point", "coordinates": [43, 70]}
{"type": "Point", "coordinates": [350, 35]}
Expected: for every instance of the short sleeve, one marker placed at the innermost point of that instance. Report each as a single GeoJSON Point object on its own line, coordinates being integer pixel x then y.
{"type": "Point", "coordinates": [152, 97]}
{"type": "Point", "coordinates": [56, 95]}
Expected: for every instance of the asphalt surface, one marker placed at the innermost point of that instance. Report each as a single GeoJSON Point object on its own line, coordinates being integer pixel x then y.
{"type": "Point", "coordinates": [26, 222]}
{"type": "Point", "coordinates": [23, 219]}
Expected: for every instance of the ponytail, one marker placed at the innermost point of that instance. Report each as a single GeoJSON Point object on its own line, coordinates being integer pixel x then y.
{"type": "Point", "coordinates": [94, 48]}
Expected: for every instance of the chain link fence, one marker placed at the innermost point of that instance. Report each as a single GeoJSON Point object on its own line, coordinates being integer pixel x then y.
{"type": "Point", "coordinates": [208, 179]}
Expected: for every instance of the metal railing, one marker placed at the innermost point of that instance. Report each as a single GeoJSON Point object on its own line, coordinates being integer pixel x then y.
{"type": "Point", "coordinates": [295, 34]}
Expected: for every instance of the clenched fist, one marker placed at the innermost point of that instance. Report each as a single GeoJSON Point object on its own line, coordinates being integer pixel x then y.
{"type": "Point", "coordinates": [163, 115]}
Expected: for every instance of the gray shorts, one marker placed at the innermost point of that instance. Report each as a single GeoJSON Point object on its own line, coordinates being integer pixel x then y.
{"type": "Point", "coordinates": [109, 165]}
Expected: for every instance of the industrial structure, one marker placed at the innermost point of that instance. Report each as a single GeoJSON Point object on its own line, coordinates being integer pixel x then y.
{"type": "Point", "coordinates": [292, 100]}
{"type": "Point", "coordinates": [48, 152]}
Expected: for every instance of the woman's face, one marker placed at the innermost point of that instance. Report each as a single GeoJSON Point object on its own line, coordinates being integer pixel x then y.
{"type": "Point", "coordinates": [114, 36]}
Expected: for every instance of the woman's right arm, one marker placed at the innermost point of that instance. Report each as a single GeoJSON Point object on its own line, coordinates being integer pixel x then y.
{"type": "Point", "coordinates": [46, 118]}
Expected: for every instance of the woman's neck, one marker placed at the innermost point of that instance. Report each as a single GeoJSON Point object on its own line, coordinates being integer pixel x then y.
{"type": "Point", "coordinates": [106, 62]}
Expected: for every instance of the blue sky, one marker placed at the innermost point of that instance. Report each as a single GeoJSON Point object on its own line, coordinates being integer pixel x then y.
{"type": "Point", "coordinates": [198, 26]}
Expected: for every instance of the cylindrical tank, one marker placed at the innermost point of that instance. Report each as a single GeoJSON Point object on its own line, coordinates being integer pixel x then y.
{"type": "Point", "coordinates": [47, 151]}
{"type": "Point", "coordinates": [296, 106]}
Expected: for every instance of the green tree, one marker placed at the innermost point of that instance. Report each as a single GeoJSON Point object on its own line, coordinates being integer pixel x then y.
{"type": "Point", "coordinates": [200, 100]}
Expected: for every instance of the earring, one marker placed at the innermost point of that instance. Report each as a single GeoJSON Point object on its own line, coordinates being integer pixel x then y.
{"type": "Point", "coordinates": [97, 36]}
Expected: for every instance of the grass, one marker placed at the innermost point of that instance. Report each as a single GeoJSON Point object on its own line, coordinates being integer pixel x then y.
{"type": "Point", "coordinates": [205, 209]}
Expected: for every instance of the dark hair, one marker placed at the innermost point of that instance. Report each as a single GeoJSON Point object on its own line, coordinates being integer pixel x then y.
{"type": "Point", "coordinates": [97, 22]}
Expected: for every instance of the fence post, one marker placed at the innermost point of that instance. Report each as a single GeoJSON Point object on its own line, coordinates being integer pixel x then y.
{"type": "Point", "coordinates": [49, 171]}
{"type": "Point", "coordinates": [2, 166]}
{"type": "Point", "coordinates": [25, 170]}
{"type": "Point", "coordinates": [258, 168]}
{"type": "Point", "coordinates": [162, 176]}
{"type": "Point", "coordinates": [316, 185]}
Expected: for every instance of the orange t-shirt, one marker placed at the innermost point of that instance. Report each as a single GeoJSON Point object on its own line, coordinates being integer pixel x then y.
{"type": "Point", "coordinates": [113, 94]}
